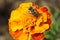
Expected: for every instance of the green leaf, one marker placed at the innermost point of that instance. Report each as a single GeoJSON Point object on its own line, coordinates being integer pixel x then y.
{"type": "Point", "coordinates": [55, 14]}
{"type": "Point", "coordinates": [58, 21]}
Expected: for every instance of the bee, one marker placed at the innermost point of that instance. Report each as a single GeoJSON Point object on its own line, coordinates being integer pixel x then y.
{"type": "Point", "coordinates": [33, 12]}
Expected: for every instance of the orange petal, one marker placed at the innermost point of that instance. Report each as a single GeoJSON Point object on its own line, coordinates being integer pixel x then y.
{"type": "Point", "coordinates": [37, 36]}
{"type": "Point", "coordinates": [44, 9]}
{"type": "Point", "coordinates": [15, 34]}
{"type": "Point", "coordinates": [48, 14]}
{"type": "Point", "coordinates": [49, 21]}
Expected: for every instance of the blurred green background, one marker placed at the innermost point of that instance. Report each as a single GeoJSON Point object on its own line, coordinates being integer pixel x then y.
{"type": "Point", "coordinates": [6, 6]}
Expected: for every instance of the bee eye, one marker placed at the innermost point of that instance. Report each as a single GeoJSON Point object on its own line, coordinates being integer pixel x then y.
{"type": "Point", "coordinates": [31, 9]}
{"type": "Point", "coordinates": [33, 12]}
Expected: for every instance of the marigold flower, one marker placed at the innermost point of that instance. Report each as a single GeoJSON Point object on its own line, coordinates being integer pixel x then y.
{"type": "Point", "coordinates": [29, 21]}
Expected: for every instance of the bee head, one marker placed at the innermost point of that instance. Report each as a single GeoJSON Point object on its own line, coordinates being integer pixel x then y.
{"type": "Point", "coordinates": [33, 12]}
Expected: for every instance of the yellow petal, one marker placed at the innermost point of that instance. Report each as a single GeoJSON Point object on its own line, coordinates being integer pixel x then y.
{"type": "Point", "coordinates": [45, 26]}
{"type": "Point", "coordinates": [39, 29]}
